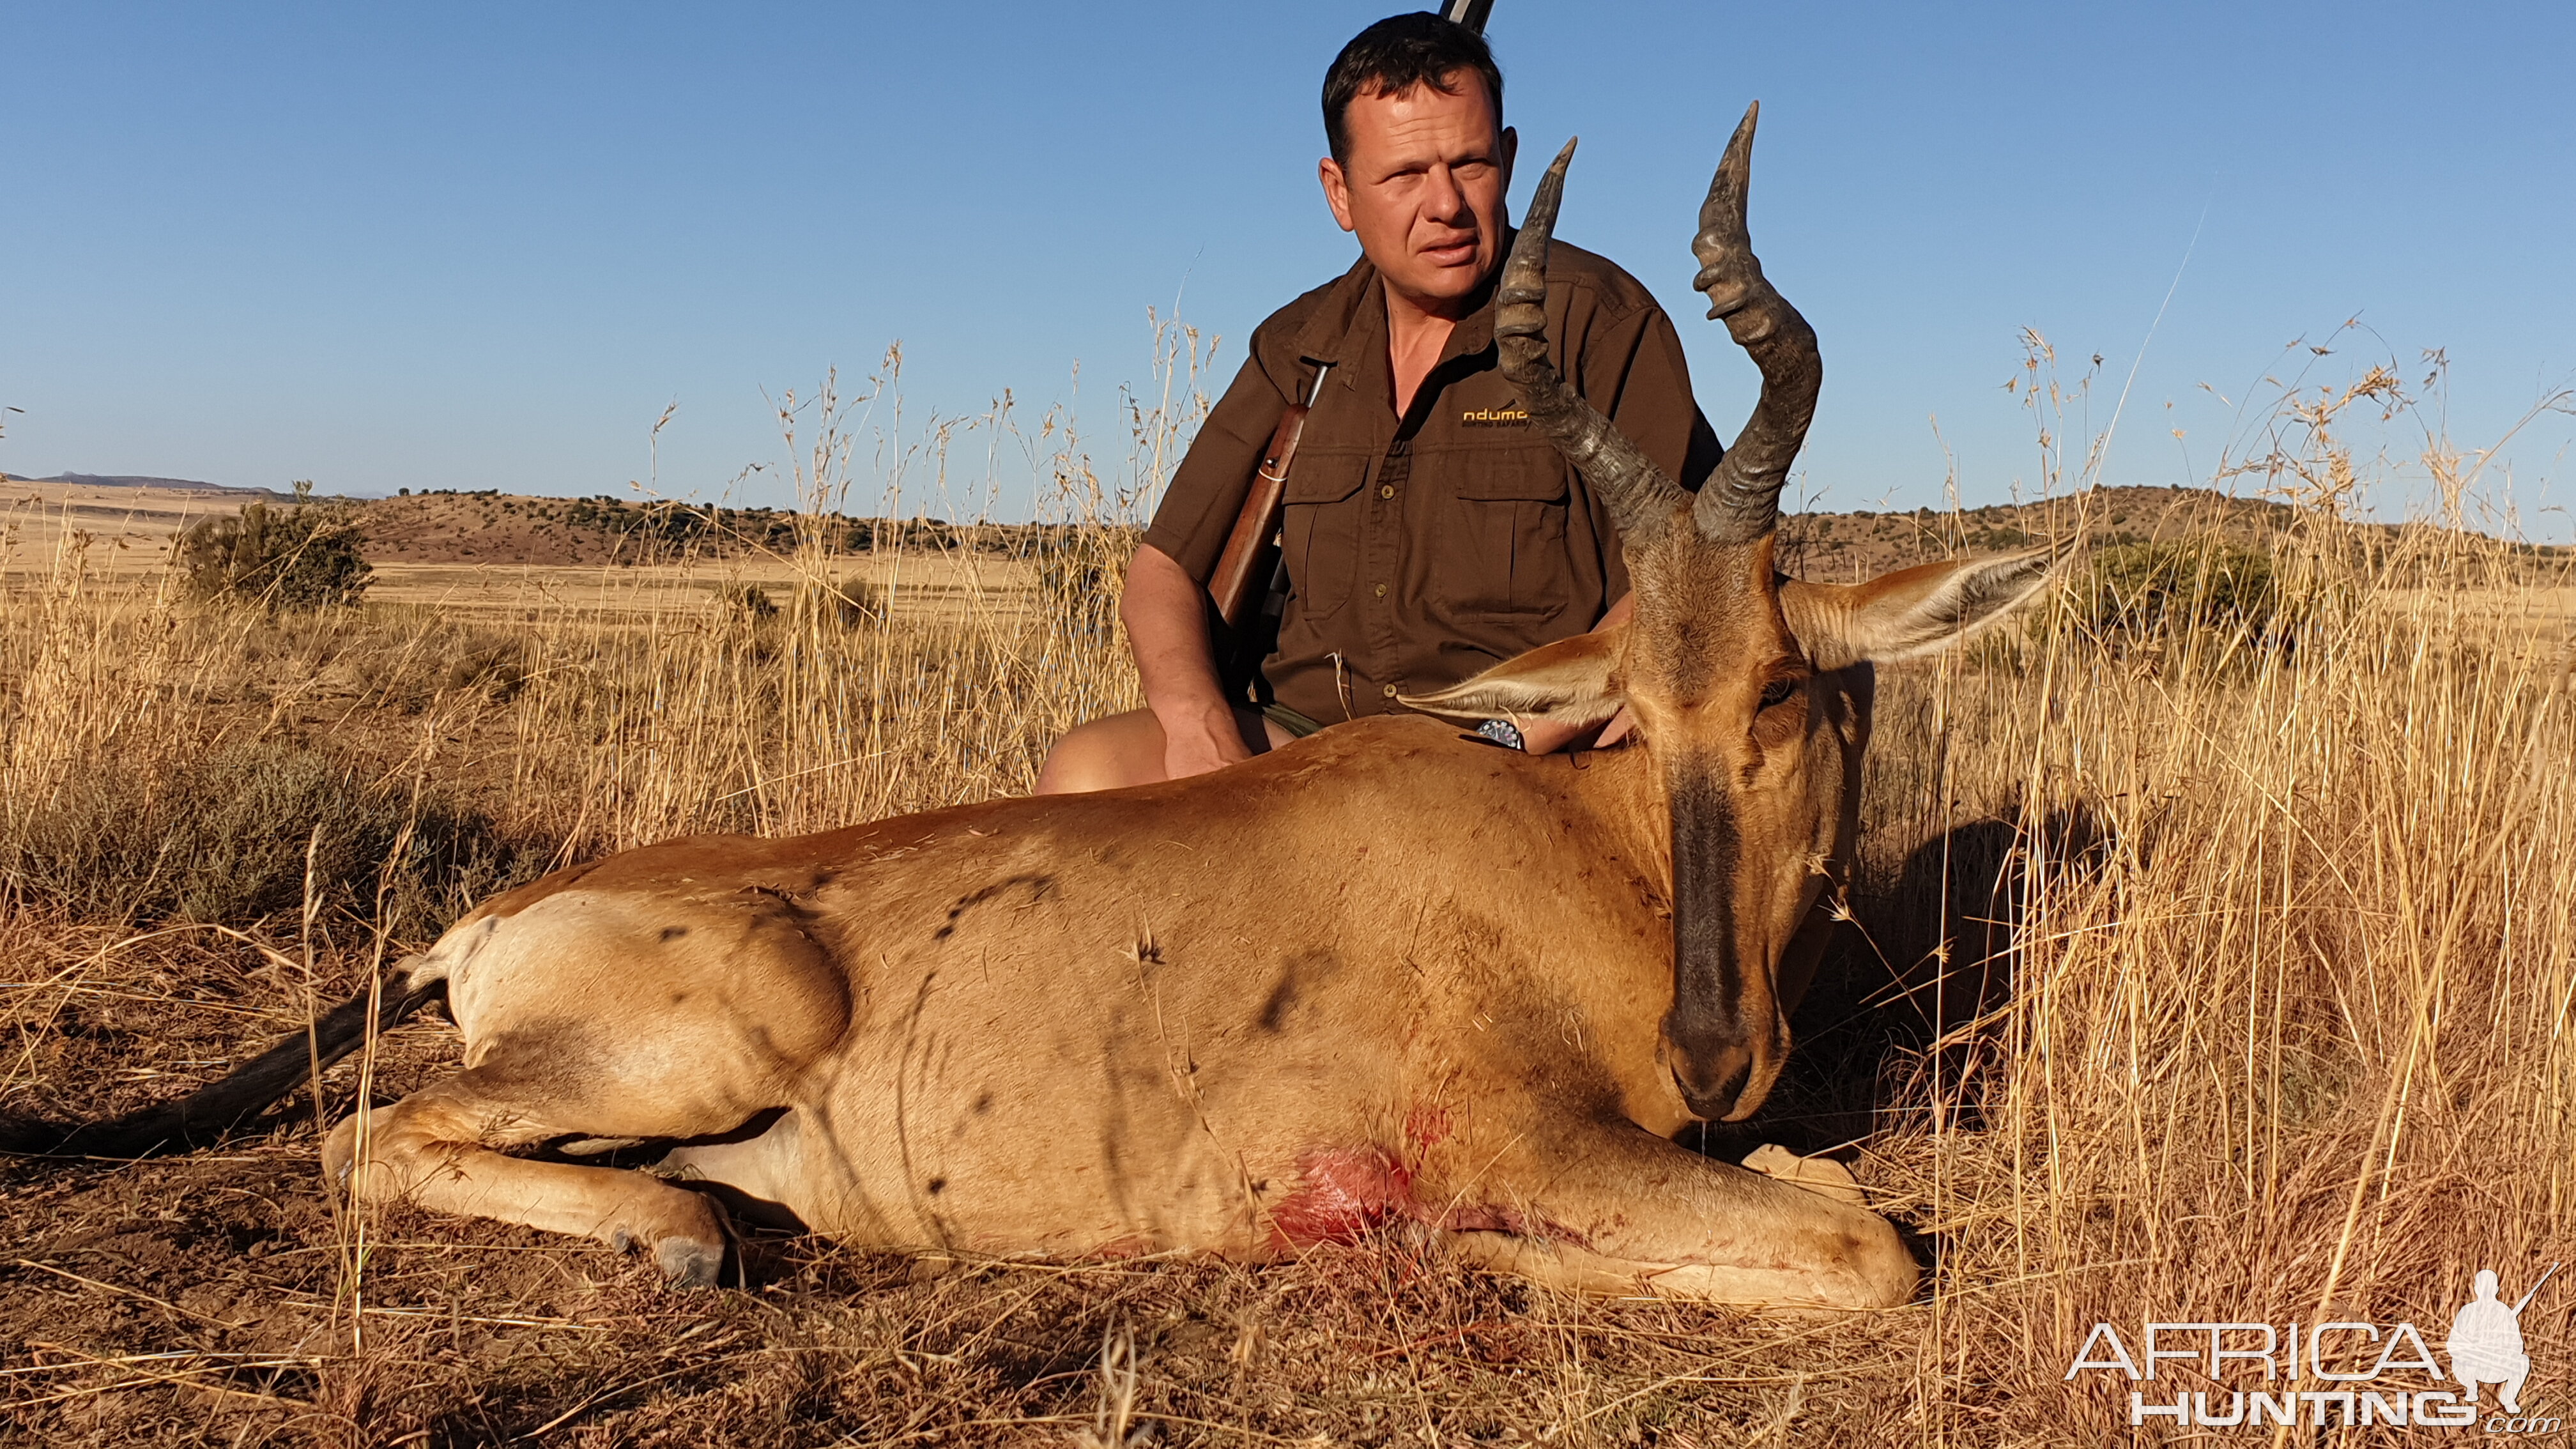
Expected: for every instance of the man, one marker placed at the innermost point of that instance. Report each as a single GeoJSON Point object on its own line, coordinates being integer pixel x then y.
{"type": "Point", "coordinates": [1429, 530]}
{"type": "Point", "coordinates": [2486, 1343]}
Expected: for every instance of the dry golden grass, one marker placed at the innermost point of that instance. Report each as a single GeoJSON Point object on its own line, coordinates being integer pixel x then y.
{"type": "Point", "coordinates": [2195, 977]}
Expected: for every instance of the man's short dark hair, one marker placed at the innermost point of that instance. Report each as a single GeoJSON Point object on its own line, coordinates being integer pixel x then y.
{"type": "Point", "coordinates": [1397, 54]}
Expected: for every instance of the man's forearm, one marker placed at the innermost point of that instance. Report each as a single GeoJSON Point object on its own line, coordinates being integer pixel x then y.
{"type": "Point", "coordinates": [1165, 612]}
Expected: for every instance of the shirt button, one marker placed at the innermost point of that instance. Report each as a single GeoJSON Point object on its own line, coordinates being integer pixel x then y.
{"type": "Point", "coordinates": [1389, 691]}
{"type": "Point", "coordinates": [1386, 490]}
{"type": "Point", "coordinates": [1381, 591]}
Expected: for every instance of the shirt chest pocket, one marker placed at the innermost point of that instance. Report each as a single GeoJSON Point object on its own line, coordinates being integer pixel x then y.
{"type": "Point", "coordinates": [1503, 549]}
{"type": "Point", "coordinates": [1320, 531]}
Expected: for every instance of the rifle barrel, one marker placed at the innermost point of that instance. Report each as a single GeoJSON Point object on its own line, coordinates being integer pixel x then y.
{"type": "Point", "coordinates": [2534, 1293]}
{"type": "Point", "coordinates": [1469, 13]}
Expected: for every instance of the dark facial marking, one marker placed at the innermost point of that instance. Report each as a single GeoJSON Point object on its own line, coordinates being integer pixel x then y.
{"type": "Point", "coordinates": [1704, 1025]}
{"type": "Point", "coordinates": [938, 1185]}
{"type": "Point", "coordinates": [673, 933]}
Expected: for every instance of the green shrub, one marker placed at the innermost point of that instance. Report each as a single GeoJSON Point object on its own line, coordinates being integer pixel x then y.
{"type": "Point", "coordinates": [2141, 592]}
{"type": "Point", "coordinates": [281, 559]}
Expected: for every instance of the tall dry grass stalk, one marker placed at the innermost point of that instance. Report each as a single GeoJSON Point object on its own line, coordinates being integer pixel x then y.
{"type": "Point", "coordinates": [2264, 1017]}
{"type": "Point", "coordinates": [2248, 955]}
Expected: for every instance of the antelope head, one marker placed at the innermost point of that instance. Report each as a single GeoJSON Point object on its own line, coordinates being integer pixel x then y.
{"type": "Point", "coordinates": [1750, 691]}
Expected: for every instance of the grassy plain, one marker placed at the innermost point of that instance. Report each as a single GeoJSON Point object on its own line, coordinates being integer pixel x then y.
{"type": "Point", "coordinates": [2215, 971]}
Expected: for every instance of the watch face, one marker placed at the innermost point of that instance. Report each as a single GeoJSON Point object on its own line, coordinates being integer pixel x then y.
{"type": "Point", "coordinates": [1502, 732]}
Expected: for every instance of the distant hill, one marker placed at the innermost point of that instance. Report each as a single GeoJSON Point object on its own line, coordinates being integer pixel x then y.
{"type": "Point", "coordinates": [1843, 547]}
{"type": "Point", "coordinates": [498, 528]}
{"type": "Point", "coordinates": [184, 485]}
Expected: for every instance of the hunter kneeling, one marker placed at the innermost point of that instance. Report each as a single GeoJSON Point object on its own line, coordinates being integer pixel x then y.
{"type": "Point", "coordinates": [1429, 531]}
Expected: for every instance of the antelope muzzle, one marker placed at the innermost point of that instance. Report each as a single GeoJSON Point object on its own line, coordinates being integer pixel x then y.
{"type": "Point", "coordinates": [1724, 1035]}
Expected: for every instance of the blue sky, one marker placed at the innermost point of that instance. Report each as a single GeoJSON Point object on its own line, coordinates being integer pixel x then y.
{"type": "Point", "coordinates": [485, 246]}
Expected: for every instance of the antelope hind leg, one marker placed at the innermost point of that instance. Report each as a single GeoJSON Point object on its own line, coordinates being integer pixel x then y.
{"type": "Point", "coordinates": [595, 1014]}
{"type": "Point", "coordinates": [1626, 1212]}
{"type": "Point", "coordinates": [437, 1148]}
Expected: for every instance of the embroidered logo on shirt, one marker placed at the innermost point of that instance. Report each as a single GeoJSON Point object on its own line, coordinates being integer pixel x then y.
{"type": "Point", "coordinates": [1495, 417]}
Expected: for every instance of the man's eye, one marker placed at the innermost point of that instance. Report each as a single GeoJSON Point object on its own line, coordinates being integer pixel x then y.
{"type": "Point", "coordinates": [1778, 691]}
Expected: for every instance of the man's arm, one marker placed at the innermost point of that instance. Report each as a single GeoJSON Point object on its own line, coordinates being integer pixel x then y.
{"type": "Point", "coordinates": [1166, 601]}
{"type": "Point", "coordinates": [1165, 611]}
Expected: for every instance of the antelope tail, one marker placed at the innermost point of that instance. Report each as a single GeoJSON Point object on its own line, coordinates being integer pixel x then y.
{"type": "Point", "coordinates": [207, 1115]}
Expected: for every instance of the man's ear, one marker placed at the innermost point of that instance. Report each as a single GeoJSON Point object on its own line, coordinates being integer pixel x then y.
{"type": "Point", "coordinates": [1567, 682]}
{"type": "Point", "coordinates": [1511, 148]}
{"type": "Point", "coordinates": [1337, 190]}
{"type": "Point", "coordinates": [1911, 611]}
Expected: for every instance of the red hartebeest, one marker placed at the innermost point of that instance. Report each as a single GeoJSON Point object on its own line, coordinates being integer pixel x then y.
{"type": "Point", "coordinates": [1349, 983]}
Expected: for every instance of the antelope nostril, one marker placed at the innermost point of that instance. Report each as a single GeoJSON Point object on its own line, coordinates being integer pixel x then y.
{"type": "Point", "coordinates": [1712, 1087]}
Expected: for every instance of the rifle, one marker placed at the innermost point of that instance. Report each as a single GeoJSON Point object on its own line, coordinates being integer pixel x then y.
{"type": "Point", "coordinates": [2534, 1293]}
{"type": "Point", "coordinates": [1249, 612]}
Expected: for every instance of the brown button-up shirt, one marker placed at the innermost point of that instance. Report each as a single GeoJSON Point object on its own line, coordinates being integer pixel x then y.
{"type": "Point", "coordinates": [1424, 548]}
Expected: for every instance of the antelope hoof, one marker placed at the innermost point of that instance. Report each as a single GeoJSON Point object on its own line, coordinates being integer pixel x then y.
{"type": "Point", "coordinates": [688, 1263]}
{"type": "Point", "coordinates": [1820, 1175]}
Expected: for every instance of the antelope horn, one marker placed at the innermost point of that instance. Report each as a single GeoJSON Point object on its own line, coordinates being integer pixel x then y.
{"type": "Point", "coordinates": [1740, 502]}
{"type": "Point", "coordinates": [1641, 499]}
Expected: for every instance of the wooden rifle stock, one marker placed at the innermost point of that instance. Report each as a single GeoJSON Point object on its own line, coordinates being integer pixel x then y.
{"type": "Point", "coordinates": [1243, 570]}
{"type": "Point", "coordinates": [1244, 585]}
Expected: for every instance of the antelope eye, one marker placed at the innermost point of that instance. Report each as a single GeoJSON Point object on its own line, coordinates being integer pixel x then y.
{"type": "Point", "coordinates": [1778, 692]}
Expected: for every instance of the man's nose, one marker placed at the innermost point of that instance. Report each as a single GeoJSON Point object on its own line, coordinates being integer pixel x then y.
{"type": "Point", "coordinates": [1444, 199]}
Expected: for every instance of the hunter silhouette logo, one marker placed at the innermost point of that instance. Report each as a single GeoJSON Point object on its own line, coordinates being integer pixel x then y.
{"type": "Point", "coordinates": [2486, 1341]}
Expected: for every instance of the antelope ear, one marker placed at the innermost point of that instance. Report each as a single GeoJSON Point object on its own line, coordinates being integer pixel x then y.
{"type": "Point", "coordinates": [1912, 611]}
{"type": "Point", "coordinates": [1567, 682]}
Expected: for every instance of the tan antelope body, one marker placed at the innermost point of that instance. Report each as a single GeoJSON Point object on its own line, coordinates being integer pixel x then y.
{"type": "Point", "coordinates": [1386, 976]}
{"type": "Point", "coordinates": [1172, 1017]}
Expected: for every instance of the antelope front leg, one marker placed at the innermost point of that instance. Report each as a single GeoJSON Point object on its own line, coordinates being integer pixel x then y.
{"type": "Point", "coordinates": [1618, 1210]}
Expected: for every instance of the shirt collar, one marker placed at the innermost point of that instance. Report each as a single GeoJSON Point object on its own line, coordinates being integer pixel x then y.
{"type": "Point", "coordinates": [1353, 318]}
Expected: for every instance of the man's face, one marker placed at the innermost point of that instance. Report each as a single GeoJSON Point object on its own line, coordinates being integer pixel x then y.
{"type": "Point", "coordinates": [1424, 188]}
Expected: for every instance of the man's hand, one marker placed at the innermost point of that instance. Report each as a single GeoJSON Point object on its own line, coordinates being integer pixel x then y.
{"type": "Point", "coordinates": [1197, 745]}
{"type": "Point", "coordinates": [1165, 611]}
{"type": "Point", "coordinates": [1188, 726]}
